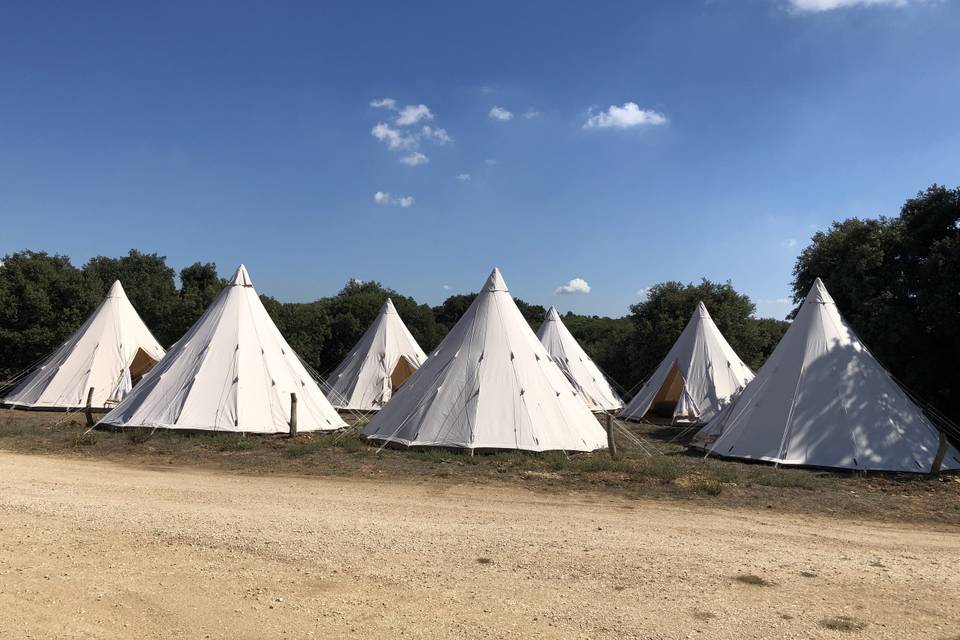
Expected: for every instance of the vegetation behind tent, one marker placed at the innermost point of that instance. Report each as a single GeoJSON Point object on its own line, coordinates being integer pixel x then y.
{"type": "Point", "coordinates": [897, 280]}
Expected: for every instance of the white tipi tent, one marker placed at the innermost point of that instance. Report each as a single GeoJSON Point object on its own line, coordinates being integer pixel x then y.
{"type": "Point", "coordinates": [232, 371]}
{"type": "Point", "coordinates": [110, 352]}
{"type": "Point", "coordinates": [380, 362]}
{"type": "Point", "coordinates": [489, 385]}
{"type": "Point", "coordinates": [700, 374]}
{"type": "Point", "coordinates": [580, 370]}
{"type": "Point", "coordinates": [823, 400]}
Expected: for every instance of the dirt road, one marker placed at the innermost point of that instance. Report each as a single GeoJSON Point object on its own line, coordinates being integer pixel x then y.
{"type": "Point", "coordinates": [92, 549]}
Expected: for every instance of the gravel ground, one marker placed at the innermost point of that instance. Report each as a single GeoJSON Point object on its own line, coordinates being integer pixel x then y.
{"type": "Point", "coordinates": [97, 549]}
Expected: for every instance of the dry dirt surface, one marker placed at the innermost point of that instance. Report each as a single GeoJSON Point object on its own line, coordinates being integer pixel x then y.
{"type": "Point", "coordinates": [94, 549]}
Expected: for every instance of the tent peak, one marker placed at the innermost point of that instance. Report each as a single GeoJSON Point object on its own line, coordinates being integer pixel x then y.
{"type": "Point", "coordinates": [701, 310]}
{"type": "Point", "coordinates": [388, 307]}
{"type": "Point", "coordinates": [241, 277]}
{"type": "Point", "coordinates": [495, 282]}
{"type": "Point", "coordinates": [116, 290]}
{"type": "Point", "coordinates": [818, 294]}
{"type": "Point", "coordinates": [552, 315]}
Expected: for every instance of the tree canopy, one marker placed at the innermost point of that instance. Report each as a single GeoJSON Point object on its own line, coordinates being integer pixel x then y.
{"type": "Point", "coordinates": [897, 282]}
{"type": "Point", "coordinates": [45, 298]}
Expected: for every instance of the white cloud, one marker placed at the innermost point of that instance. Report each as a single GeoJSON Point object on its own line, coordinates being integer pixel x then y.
{"type": "Point", "coordinates": [490, 162]}
{"type": "Point", "coordinates": [531, 113]}
{"type": "Point", "coordinates": [415, 159]}
{"type": "Point", "coordinates": [625, 117]}
{"type": "Point", "coordinates": [577, 285]}
{"type": "Point", "coordinates": [789, 243]}
{"type": "Point", "coordinates": [387, 198]}
{"type": "Point", "coordinates": [392, 137]}
{"type": "Point", "coordinates": [499, 113]}
{"type": "Point", "coordinates": [643, 292]}
{"type": "Point", "coordinates": [447, 287]}
{"type": "Point", "coordinates": [412, 114]}
{"type": "Point", "coordinates": [440, 136]}
{"type": "Point", "coordinates": [463, 177]}
{"type": "Point", "coordinates": [817, 6]}
{"type": "Point", "coordinates": [384, 103]}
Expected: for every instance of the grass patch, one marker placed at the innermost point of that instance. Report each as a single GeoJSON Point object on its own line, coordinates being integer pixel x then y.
{"type": "Point", "coordinates": [753, 580]}
{"type": "Point", "coordinates": [233, 443]}
{"type": "Point", "coordinates": [703, 616]}
{"type": "Point", "coordinates": [808, 574]}
{"type": "Point", "coordinates": [785, 479]}
{"type": "Point", "coordinates": [350, 443]}
{"type": "Point", "coordinates": [484, 560]}
{"type": "Point", "coordinates": [666, 469]}
{"type": "Point", "coordinates": [706, 486]}
{"type": "Point", "coordinates": [843, 623]}
{"type": "Point", "coordinates": [139, 436]}
{"type": "Point", "coordinates": [13, 430]}
{"type": "Point", "coordinates": [85, 439]}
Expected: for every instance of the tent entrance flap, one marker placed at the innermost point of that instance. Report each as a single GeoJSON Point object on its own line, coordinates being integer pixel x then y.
{"type": "Point", "coordinates": [664, 404]}
{"type": "Point", "coordinates": [403, 370]}
{"type": "Point", "coordinates": [141, 365]}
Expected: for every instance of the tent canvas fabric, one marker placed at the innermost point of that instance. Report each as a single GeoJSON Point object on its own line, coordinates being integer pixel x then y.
{"type": "Point", "coordinates": [232, 371]}
{"type": "Point", "coordinates": [581, 371]}
{"type": "Point", "coordinates": [489, 385]}
{"type": "Point", "coordinates": [823, 400]}
{"type": "Point", "coordinates": [700, 374]}
{"type": "Point", "coordinates": [378, 365]}
{"type": "Point", "coordinates": [110, 351]}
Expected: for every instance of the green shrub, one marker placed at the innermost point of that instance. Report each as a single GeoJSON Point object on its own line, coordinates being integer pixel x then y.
{"type": "Point", "coordinates": [86, 439]}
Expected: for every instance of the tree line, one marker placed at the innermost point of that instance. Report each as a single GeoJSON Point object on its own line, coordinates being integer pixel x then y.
{"type": "Point", "coordinates": [896, 280]}
{"type": "Point", "coordinates": [44, 298]}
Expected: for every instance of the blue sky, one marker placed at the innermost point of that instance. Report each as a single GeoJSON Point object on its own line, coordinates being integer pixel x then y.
{"type": "Point", "coordinates": [645, 141]}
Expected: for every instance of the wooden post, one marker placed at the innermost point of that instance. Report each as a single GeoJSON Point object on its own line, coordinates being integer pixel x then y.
{"type": "Point", "coordinates": [941, 453]}
{"type": "Point", "coordinates": [611, 441]}
{"type": "Point", "coordinates": [293, 415]}
{"type": "Point", "coordinates": [89, 410]}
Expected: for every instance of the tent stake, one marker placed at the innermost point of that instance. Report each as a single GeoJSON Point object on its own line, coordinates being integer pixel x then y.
{"type": "Point", "coordinates": [293, 415]}
{"type": "Point", "coordinates": [611, 441]}
{"type": "Point", "coordinates": [941, 453]}
{"type": "Point", "coordinates": [89, 410]}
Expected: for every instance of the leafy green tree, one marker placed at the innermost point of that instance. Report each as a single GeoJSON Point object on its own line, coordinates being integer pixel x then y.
{"type": "Point", "coordinates": [306, 327]}
{"type": "Point", "coordinates": [149, 284]}
{"type": "Point", "coordinates": [660, 319]}
{"type": "Point", "coordinates": [450, 311]}
{"type": "Point", "coordinates": [43, 299]}
{"type": "Point", "coordinates": [351, 312]}
{"type": "Point", "coordinates": [897, 282]}
{"type": "Point", "coordinates": [199, 286]}
{"type": "Point", "coordinates": [609, 343]}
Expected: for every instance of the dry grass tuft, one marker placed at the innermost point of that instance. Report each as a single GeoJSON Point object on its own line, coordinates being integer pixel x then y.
{"type": "Point", "coordinates": [753, 580]}
{"type": "Point", "coordinates": [843, 623]}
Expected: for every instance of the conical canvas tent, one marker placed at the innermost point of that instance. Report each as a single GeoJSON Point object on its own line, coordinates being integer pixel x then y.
{"type": "Point", "coordinates": [699, 375]}
{"type": "Point", "coordinates": [232, 371]}
{"type": "Point", "coordinates": [109, 353]}
{"type": "Point", "coordinates": [377, 366]}
{"type": "Point", "coordinates": [580, 370]}
{"type": "Point", "coordinates": [489, 385]}
{"type": "Point", "coordinates": [823, 400]}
